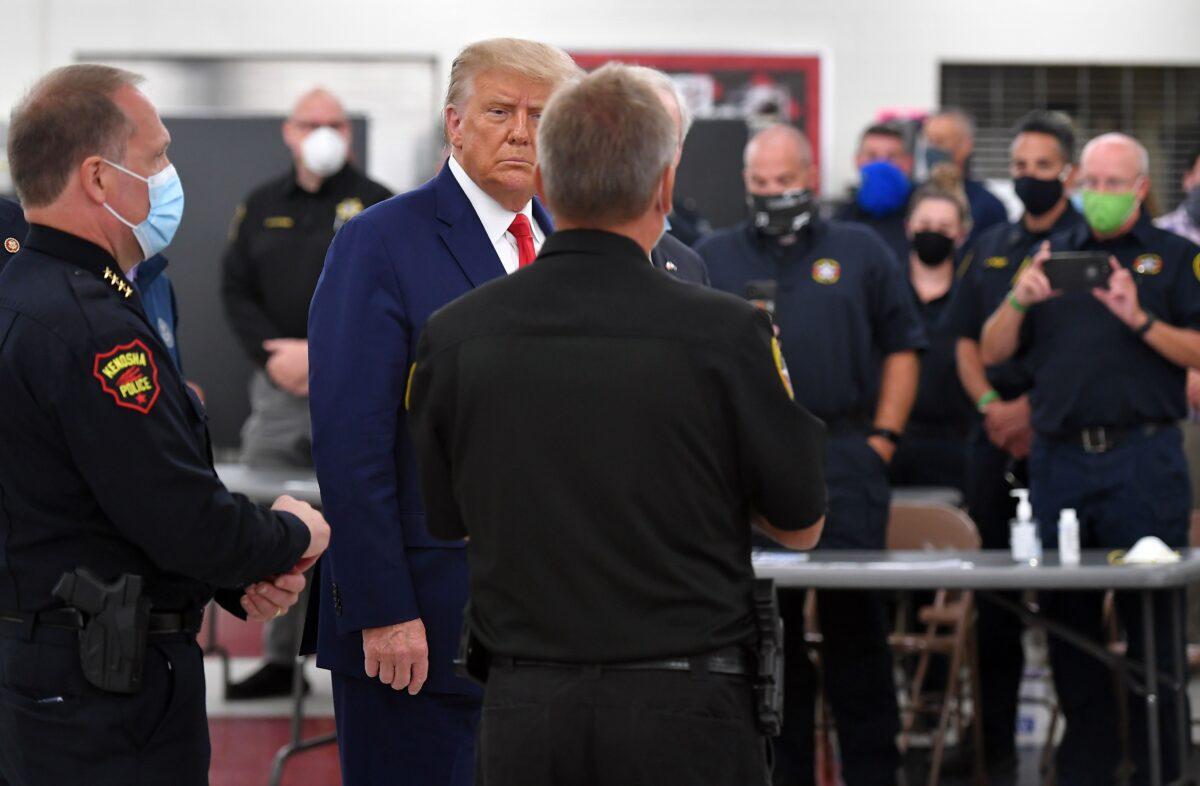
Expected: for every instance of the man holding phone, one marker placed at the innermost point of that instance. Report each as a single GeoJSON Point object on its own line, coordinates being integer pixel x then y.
{"type": "Point", "coordinates": [1109, 367]}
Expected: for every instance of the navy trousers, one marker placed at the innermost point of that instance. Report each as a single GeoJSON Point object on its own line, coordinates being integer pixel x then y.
{"type": "Point", "coordinates": [1140, 488]}
{"type": "Point", "coordinates": [856, 660]}
{"type": "Point", "coordinates": [389, 738]}
{"type": "Point", "coordinates": [55, 728]}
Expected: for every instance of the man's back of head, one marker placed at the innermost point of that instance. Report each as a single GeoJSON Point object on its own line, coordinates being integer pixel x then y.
{"type": "Point", "coordinates": [607, 152]}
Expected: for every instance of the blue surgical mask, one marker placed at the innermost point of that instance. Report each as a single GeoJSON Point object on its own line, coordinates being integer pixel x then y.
{"type": "Point", "coordinates": [884, 189]}
{"type": "Point", "coordinates": [166, 209]}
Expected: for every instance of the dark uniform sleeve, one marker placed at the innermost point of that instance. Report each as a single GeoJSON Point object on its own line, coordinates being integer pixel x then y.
{"type": "Point", "coordinates": [429, 400]}
{"type": "Point", "coordinates": [781, 446]}
{"type": "Point", "coordinates": [128, 431]}
{"type": "Point", "coordinates": [1185, 295]}
{"type": "Point", "coordinates": [240, 291]}
{"type": "Point", "coordinates": [896, 325]}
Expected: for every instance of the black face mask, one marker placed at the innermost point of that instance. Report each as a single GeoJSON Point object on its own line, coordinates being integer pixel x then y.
{"type": "Point", "coordinates": [783, 214]}
{"type": "Point", "coordinates": [1038, 196]}
{"type": "Point", "coordinates": [933, 248]}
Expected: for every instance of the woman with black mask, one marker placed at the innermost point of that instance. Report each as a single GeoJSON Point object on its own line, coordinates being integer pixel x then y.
{"type": "Point", "coordinates": [933, 450]}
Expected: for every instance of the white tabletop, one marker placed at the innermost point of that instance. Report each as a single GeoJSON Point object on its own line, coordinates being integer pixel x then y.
{"type": "Point", "coordinates": [265, 485]}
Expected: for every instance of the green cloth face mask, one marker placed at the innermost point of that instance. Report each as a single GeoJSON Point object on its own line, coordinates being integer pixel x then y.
{"type": "Point", "coordinates": [1105, 213]}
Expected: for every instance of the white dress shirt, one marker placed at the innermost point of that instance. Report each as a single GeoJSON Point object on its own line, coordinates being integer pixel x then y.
{"type": "Point", "coordinates": [496, 219]}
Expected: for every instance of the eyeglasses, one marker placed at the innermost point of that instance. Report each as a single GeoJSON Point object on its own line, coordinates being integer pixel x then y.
{"type": "Point", "coordinates": [1109, 183]}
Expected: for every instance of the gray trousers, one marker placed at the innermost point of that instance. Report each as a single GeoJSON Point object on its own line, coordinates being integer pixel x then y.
{"type": "Point", "coordinates": [278, 434]}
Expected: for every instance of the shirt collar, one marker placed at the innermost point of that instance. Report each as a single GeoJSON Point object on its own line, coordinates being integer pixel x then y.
{"type": "Point", "coordinates": [495, 217]}
{"type": "Point", "coordinates": [1142, 231]}
{"type": "Point", "coordinates": [807, 237]}
{"type": "Point", "coordinates": [292, 186]}
{"type": "Point", "coordinates": [145, 273]}
{"type": "Point", "coordinates": [81, 253]}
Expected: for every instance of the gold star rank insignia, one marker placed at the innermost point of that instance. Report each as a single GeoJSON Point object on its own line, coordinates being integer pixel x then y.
{"type": "Point", "coordinates": [826, 271]}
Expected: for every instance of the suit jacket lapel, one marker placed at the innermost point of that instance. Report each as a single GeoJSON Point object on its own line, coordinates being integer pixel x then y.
{"type": "Point", "coordinates": [463, 233]}
{"type": "Point", "coordinates": [543, 218]}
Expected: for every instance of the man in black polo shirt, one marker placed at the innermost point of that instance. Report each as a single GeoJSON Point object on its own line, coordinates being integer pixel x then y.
{"type": "Point", "coordinates": [276, 251]}
{"type": "Point", "coordinates": [604, 434]}
{"type": "Point", "coordinates": [1109, 370]}
{"type": "Point", "coordinates": [850, 332]}
{"type": "Point", "coordinates": [1041, 163]}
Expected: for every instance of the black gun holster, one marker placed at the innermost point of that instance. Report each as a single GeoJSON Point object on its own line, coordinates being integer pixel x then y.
{"type": "Point", "coordinates": [473, 661]}
{"type": "Point", "coordinates": [112, 642]}
{"type": "Point", "coordinates": [768, 678]}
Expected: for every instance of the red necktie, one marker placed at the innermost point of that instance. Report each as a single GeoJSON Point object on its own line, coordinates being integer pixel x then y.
{"type": "Point", "coordinates": [521, 230]}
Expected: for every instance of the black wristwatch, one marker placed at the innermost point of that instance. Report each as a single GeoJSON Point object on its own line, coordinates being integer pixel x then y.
{"type": "Point", "coordinates": [891, 436]}
{"type": "Point", "coordinates": [1145, 328]}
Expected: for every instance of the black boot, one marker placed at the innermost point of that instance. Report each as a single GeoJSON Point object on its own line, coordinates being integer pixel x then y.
{"type": "Point", "coordinates": [271, 681]}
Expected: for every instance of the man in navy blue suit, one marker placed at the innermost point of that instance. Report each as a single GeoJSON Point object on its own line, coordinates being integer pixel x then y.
{"type": "Point", "coordinates": [671, 254]}
{"type": "Point", "coordinates": [391, 595]}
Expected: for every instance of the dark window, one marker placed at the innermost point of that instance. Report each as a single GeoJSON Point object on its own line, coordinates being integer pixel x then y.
{"type": "Point", "coordinates": [1158, 105]}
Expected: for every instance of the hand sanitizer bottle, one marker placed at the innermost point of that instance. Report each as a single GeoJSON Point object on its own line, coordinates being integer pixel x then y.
{"type": "Point", "coordinates": [1068, 537]}
{"type": "Point", "coordinates": [1024, 541]}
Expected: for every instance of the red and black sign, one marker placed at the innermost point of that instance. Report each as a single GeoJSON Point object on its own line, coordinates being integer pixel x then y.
{"type": "Point", "coordinates": [127, 373]}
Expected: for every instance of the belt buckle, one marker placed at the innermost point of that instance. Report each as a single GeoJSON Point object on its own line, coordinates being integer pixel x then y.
{"type": "Point", "coordinates": [1095, 440]}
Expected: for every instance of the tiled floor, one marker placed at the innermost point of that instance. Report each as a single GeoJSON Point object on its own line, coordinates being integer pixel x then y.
{"type": "Point", "coordinates": [246, 735]}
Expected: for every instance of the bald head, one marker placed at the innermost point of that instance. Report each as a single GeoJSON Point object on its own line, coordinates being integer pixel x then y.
{"type": "Point", "coordinates": [777, 159]}
{"type": "Point", "coordinates": [318, 102]}
{"type": "Point", "coordinates": [318, 108]}
{"type": "Point", "coordinates": [1116, 149]}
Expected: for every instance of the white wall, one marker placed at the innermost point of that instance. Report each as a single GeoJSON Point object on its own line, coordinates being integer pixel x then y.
{"type": "Point", "coordinates": [881, 53]}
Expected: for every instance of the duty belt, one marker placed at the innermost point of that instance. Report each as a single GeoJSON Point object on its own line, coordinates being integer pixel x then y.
{"type": "Point", "coordinates": [1102, 439]}
{"type": "Point", "coordinates": [732, 661]}
{"type": "Point", "coordinates": [161, 623]}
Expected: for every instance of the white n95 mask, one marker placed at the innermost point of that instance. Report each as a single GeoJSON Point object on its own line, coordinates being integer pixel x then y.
{"type": "Point", "coordinates": [324, 151]}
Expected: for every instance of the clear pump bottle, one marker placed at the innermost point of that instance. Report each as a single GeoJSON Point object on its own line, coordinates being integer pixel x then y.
{"type": "Point", "coordinates": [1024, 541]}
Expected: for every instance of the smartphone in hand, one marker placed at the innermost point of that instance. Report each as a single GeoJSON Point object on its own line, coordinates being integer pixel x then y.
{"type": "Point", "coordinates": [1077, 271]}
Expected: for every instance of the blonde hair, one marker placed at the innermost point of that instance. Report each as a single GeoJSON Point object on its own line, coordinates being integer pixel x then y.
{"type": "Point", "coordinates": [944, 183]}
{"type": "Point", "coordinates": [531, 59]}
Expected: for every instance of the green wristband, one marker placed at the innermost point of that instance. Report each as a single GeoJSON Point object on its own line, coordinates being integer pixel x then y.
{"type": "Point", "coordinates": [1016, 304]}
{"type": "Point", "coordinates": [986, 398]}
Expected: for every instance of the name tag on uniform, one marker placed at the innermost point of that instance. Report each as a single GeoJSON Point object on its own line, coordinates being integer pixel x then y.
{"type": "Point", "coordinates": [278, 222]}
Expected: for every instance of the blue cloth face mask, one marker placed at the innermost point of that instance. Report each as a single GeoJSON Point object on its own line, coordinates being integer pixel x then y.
{"type": "Point", "coordinates": [884, 188]}
{"type": "Point", "coordinates": [166, 209]}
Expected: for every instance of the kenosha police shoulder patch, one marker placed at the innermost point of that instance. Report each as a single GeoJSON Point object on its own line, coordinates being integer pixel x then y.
{"type": "Point", "coordinates": [127, 372]}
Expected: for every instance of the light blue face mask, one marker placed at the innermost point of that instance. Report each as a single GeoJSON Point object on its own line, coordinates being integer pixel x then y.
{"type": "Point", "coordinates": [166, 209]}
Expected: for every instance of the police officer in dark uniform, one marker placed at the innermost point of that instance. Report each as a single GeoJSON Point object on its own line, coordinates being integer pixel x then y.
{"type": "Point", "coordinates": [850, 333]}
{"type": "Point", "coordinates": [1108, 370]}
{"type": "Point", "coordinates": [611, 584]}
{"type": "Point", "coordinates": [12, 229]}
{"type": "Point", "coordinates": [884, 166]}
{"type": "Point", "coordinates": [275, 255]}
{"type": "Point", "coordinates": [1042, 153]}
{"type": "Point", "coordinates": [115, 529]}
